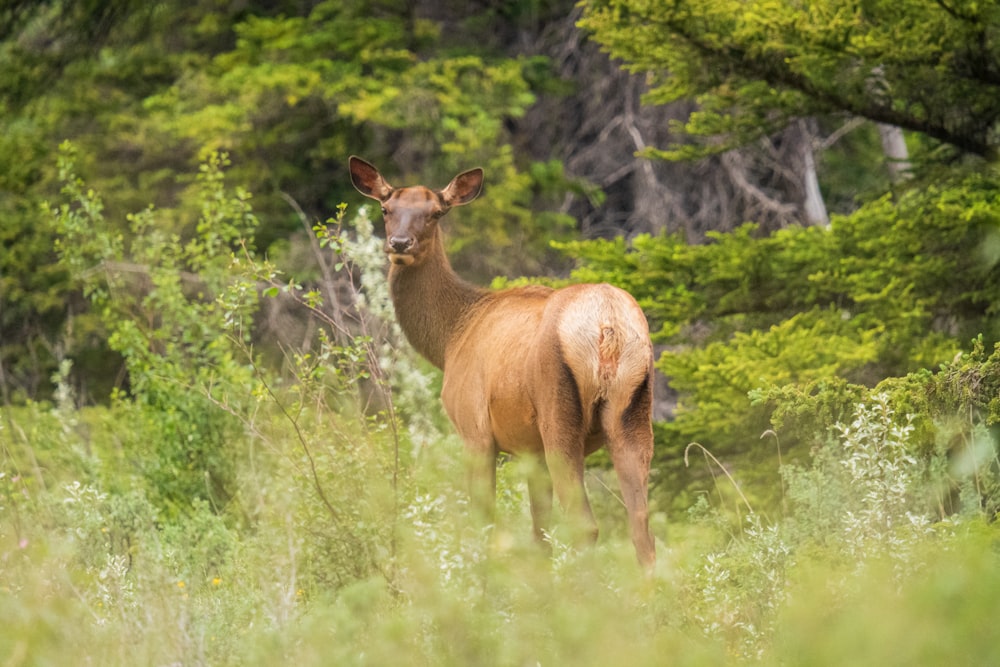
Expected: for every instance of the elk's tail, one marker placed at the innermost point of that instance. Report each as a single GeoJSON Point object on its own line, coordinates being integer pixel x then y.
{"type": "Point", "coordinates": [609, 352]}
{"type": "Point", "coordinates": [606, 341]}
{"type": "Point", "coordinates": [624, 352]}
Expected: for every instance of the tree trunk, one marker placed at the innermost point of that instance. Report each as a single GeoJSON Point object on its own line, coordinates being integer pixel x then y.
{"type": "Point", "coordinates": [813, 207]}
{"type": "Point", "coordinates": [894, 147]}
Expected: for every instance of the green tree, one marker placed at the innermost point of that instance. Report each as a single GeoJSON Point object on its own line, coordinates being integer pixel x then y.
{"type": "Point", "coordinates": [147, 91]}
{"type": "Point", "coordinates": [755, 66]}
{"type": "Point", "coordinates": [81, 71]}
{"type": "Point", "coordinates": [894, 288]}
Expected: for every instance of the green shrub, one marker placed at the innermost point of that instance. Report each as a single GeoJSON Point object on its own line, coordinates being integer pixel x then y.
{"type": "Point", "coordinates": [156, 293]}
{"type": "Point", "coordinates": [813, 315]}
{"type": "Point", "coordinates": [938, 614]}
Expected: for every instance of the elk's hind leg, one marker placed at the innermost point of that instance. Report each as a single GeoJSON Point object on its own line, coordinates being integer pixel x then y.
{"type": "Point", "coordinates": [630, 442]}
{"type": "Point", "coordinates": [566, 467]}
{"type": "Point", "coordinates": [563, 427]}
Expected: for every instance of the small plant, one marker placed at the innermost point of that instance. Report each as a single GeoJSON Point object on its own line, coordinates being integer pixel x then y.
{"type": "Point", "coordinates": [864, 493]}
{"type": "Point", "coordinates": [154, 291]}
{"type": "Point", "coordinates": [859, 502]}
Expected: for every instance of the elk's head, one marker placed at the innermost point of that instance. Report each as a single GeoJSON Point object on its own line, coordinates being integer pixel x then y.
{"type": "Point", "coordinates": [411, 214]}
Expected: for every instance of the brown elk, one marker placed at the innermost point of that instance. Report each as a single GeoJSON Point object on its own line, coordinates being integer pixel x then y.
{"type": "Point", "coordinates": [552, 374]}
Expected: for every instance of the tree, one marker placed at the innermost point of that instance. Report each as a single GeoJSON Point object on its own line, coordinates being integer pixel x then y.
{"type": "Point", "coordinates": [902, 284]}
{"type": "Point", "coordinates": [756, 66]}
{"type": "Point", "coordinates": [289, 90]}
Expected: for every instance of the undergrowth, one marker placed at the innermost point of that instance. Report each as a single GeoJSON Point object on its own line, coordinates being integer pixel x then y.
{"type": "Point", "coordinates": [222, 513]}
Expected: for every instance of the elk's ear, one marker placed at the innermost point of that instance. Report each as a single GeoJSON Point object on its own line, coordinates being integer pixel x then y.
{"type": "Point", "coordinates": [463, 188]}
{"type": "Point", "coordinates": [368, 180]}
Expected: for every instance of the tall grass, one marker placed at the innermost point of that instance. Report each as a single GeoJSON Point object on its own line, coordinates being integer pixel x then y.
{"type": "Point", "coordinates": [225, 514]}
{"type": "Point", "coordinates": [92, 574]}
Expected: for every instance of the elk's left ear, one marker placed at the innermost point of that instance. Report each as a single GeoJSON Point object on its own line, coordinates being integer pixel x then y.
{"type": "Point", "coordinates": [463, 188]}
{"type": "Point", "coordinates": [368, 180]}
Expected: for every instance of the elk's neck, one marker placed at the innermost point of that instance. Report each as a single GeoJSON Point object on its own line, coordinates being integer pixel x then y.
{"type": "Point", "coordinates": [431, 302]}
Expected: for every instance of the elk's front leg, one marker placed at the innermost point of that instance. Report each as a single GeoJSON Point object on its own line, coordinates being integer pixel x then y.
{"type": "Point", "coordinates": [540, 497]}
{"type": "Point", "coordinates": [471, 422]}
{"type": "Point", "coordinates": [482, 481]}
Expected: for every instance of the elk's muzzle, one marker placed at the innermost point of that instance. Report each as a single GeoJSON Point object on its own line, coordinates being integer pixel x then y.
{"type": "Point", "coordinates": [398, 249]}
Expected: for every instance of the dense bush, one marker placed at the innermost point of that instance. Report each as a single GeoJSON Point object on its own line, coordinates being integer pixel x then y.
{"type": "Point", "coordinates": [894, 288]}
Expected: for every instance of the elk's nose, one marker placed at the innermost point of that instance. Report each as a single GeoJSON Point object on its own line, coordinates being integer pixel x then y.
{"type": "Point", "coordinates": [400, 244]}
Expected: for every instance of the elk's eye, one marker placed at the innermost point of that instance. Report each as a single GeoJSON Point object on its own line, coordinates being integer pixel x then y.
{"type": "Point", "coordinates": [384, 212]}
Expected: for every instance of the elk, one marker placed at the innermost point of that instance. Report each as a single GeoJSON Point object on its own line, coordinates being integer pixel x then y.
{"type": "Point", "coordinates": [551, 374]}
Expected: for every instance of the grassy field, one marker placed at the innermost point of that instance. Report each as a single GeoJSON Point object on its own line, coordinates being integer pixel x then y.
{"type": "Point", "coordinates": [230, 511]}
{"type": "Point", "coordinates": [330, 547]}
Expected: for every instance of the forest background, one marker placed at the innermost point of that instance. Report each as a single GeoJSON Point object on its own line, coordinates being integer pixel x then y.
{"type": "Point", "coordinates": [210, 421]}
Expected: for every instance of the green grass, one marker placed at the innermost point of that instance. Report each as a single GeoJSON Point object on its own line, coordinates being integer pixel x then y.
{"type": "Point", "coordinates": [92, 571]}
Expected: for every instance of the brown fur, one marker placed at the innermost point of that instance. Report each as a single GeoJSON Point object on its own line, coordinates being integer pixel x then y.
{"type": "Point", "coordinates": [532, 371]}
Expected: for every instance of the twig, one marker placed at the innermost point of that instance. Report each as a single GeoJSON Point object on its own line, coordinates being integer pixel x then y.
{"type": "Point", "coordinates": [608, 488]}
{"type": "Point", "coordinates": [303, 442]}
{"type": "Point", "coordinates": [324, 265]}
{"type": "Point", "coordinates": [777, 444]}
{"type": "Point", "coordinates": [721, 467]}
{"type": "Point", "coordinates": [852, 124]}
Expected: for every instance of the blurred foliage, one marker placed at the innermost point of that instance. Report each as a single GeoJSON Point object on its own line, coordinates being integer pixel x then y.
{"type": "Point", "coordinates": [158, 299]}
{"type": "Point", "coordinates": [147, 90]}
{"type": "Point", "coordinates": [94, 570]}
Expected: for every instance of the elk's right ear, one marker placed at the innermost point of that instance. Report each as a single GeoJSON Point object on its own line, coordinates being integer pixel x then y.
{"type": "Point", "coordinates": [368, 180]}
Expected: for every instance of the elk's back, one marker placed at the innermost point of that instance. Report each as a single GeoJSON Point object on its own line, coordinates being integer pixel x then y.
{"type": "Point", "coordinates": [521, 348]}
